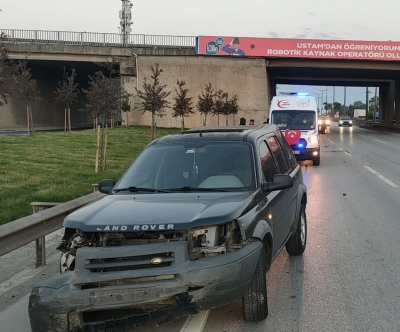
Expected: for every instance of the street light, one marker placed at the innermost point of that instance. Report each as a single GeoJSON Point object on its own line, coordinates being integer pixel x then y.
{"type": "Point", "coordinates": [322, 99]}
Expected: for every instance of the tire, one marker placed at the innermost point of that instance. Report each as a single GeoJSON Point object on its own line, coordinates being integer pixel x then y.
{"type": "Point", "coordinates": [317, 161]}
{"type": "Point", "coordinates": [255, 302]}
{"type": "Point", "coordinates": [323, 131]}
{"type": "Point", "coordinates": [297, 242]}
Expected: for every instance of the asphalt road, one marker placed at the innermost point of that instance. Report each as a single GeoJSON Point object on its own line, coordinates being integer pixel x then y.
{"type": "Point", "coordinates": [349, 276]}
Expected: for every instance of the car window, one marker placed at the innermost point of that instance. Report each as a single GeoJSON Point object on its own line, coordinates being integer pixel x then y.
{"type": "Point", "coordinates": [268, 164]}
{"type": "Point", "coordinates": [195, 165]}
{"type": "Point", "coordinates": [278, 155]}
{"type": "Point", "coordinates": [288, 152]}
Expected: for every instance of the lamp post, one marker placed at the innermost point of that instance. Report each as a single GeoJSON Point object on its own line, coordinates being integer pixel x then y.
{"type": "Point", "coordinates": [322, 99]}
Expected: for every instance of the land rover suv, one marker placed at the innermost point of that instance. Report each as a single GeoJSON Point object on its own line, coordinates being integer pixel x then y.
{"type": "Point", "coordinates": [194, 223]}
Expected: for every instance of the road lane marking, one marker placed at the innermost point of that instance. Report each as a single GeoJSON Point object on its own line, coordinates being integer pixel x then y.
{"type": "Point", "coordinates": [379, 140]}
{"type": "Point", "coordinates": [331, 141]}
{"type": "Point", "coordinates": [390, 183]}
{"type": "Point", "coordinates": [196, 322]}
{"type": "Point", "coordinates": [346, 152]}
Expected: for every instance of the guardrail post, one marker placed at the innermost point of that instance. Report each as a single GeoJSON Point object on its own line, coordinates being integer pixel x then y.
{"type": "Point", "coordinates": [41, 242]}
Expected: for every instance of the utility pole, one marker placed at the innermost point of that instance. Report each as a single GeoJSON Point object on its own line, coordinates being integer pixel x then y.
{"type": "Point", "coordinates": [367, 104]}
{"type": "Point", "coordinates": [333, 97]}
{"type": "Point", "coordinates": [344, 103]}
{"type": "Point", "coordinates": [125, 16]}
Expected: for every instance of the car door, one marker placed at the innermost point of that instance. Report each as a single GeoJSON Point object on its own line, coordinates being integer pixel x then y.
{"type": "Point", "coordinates": [288, 196]}
{"type": "Point", "coordinates": [274, 206]}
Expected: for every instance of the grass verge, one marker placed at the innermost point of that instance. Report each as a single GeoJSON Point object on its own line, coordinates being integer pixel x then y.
{"type": "Point", "coordinates": [58, 167]}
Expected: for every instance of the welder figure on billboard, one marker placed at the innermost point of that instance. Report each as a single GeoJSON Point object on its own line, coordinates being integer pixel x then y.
{"type": "Point", "coordinates": [233, 48]}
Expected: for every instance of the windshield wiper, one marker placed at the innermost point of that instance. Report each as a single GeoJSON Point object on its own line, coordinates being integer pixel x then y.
{"type": "Point", "coordinates": [189, 188]}
{"type": "Point", "coordinates": [136, 189]}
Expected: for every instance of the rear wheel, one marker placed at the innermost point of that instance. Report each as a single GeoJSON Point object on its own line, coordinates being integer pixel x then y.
{"type": "Point", "coordinates": [254, 302]}
{"type": "Point", "coordinates": [297, 242]}
{"type": "Point", "coordinates": [316, 161]}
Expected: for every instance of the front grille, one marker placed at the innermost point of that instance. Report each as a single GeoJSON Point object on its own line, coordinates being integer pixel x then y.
{"type": "Point", "coordinates": [128, 281]}
{"type": "Point", "coordinates": [130, 262]}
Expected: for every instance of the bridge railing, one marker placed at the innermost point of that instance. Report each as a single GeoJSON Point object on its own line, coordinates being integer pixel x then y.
{"type": "Point", "coordinates": [97, 39]}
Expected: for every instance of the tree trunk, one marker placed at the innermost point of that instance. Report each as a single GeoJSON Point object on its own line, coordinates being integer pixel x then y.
{"type": "Point", "coordinates": [226, 120]}
{"type": "Point", "coordinates": [69, 119]}
{"type": "Point", "coordinates": [127, 119]}
{"type": "Point", "coordinates": [30, 120]}
{"type": "Point", "coordinates": [153, 125]}
{"type": "Point", "coordinates": [218, 120]}
{"type": "Point", "coordinates": [183, 123]}
{"type": "Point", "coordinates": [65, 119]}
{"type": "Point", "coordinates": [205, 119]}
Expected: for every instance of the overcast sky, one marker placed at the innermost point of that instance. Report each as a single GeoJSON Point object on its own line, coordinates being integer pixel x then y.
{"type": "Point", "coordinates": [339, 19]}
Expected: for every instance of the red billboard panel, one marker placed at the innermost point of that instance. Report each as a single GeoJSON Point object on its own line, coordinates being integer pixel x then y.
{"type": "Point", "coordinates": [298, 48]}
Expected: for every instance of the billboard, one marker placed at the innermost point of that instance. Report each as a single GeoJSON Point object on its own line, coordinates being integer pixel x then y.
{"type": "Point", "coordinates": [298, 48]}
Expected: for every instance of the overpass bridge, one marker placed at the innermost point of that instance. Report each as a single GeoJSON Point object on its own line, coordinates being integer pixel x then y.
{"type": "Point", "coordinates": [253, 77]}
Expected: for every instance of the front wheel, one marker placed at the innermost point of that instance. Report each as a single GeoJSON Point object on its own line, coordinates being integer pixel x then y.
{"type": "Point", "coordinates": [297, 242]}
{"type": "Point", "coordinates": [254, 302]}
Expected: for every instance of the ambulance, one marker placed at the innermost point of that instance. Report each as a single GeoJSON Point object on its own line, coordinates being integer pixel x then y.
{"type": "Point", "coordinates": [296, 115]}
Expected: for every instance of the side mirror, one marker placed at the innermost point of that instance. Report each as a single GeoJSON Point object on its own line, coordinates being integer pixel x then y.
{"type": "Point", "coordinates": [105, 186]}
{"type": "Point", "coordinates": [279, 182]}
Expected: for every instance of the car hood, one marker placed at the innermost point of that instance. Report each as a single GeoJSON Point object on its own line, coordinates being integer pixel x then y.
{"type": "Point", "coordinates": [154, 212]}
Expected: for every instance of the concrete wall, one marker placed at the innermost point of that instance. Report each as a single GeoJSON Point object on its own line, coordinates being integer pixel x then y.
{"type": "Point", "coordinates": [245, 77]}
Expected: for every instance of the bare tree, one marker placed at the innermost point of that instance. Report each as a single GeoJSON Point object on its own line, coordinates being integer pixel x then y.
{"type": "Point", "coordinates": [219, 103]}
{"type": "Point", "coordinates": [230, 106]}
{"type": "Point", "coordinates": [126, 106]}
{"type": "Point", "coordinates": [7, 70]}
{"type": "Point", "coordinates": [67, 94]}
{"type": "Point", "coordinates": [183, 104]}
{"type": "Point", "coordinates": [103, 99]}
{"type": "Point", "coordinates": [205, 103]}
{"type": "Point", "coordinates": [25, 89]}
{"type": "Point", "coordinates": [154, 97]}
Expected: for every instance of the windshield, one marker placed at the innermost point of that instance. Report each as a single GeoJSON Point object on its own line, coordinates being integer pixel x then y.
{"type": "Point", "coordinates": [192, 166]}
{"type": "Point", "coordinates": [344, 118]}
{"type": "Point", "coordinates": [291, 119]}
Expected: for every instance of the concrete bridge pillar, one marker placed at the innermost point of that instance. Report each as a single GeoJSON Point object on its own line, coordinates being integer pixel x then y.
{"type": "Point", "coordinates": [397, 102]}
{"type": "Point", "coordinates": [386, 103]}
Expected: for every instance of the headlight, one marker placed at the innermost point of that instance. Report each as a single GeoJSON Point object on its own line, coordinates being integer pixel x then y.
{"type": "Point", "coordinates": [313, 139]}
{"type": "Point", "coordinates": [216, 240]}
{"type": "Point", "coordinates": [350, 121]}
{"type": "Point", "coordinates": [319, 121]}
{"type": "Point", "coordinates": [328, 121]}
{"type": "Point", "coordinates": [340, 121]}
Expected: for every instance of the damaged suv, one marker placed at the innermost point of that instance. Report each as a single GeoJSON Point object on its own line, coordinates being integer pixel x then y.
{"type": "Point", "coordinates": [194, 223]}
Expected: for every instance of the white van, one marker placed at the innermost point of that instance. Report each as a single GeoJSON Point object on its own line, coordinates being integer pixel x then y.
{"type": "Point", "coordinates": [296, 115]}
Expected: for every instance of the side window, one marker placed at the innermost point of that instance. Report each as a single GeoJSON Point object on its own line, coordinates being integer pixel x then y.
{"type": "Point", "coordinates": [267, 162]}
{"type": "Point", "coordinates": [277, 152]}
{"type": "Point", "coordinates": [288, 152]}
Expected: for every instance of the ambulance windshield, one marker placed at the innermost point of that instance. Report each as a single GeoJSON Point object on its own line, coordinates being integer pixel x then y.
{"type": "Point", "coordinates": [294, 119]}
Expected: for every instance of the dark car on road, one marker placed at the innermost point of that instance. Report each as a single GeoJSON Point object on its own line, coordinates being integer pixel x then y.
{"type": "Point", "coordinates": [345, 121]}
{"type": "Point", "coordinates": [194, 223]}
{"type": "Point", "coordinates": [324, 124]}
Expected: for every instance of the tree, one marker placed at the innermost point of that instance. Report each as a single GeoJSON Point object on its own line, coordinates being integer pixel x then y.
{"type": "Point", "coordinates": [126, 106]}
{"type": "Point", "coordinates": [154, 97]}
{"type": "Point", "coordinates": [327, 107]}
{"type": "Point", "coordinates": [205, 103]}
{"type": "Point", "coordinates": [7, 70]}
{"type": "Point", "coordinates": [67, 94]}
{"type": "Point", "coordinates": [103, 99]}
{"type": "Point", "coordinates": [219, 103]}
{"type": "Point", "coordinates": [337, 107]}
{"type": "Point", "coordinates": [183, 104]}
{"type": "Point", "coordinates": [359, 105]}
{"type": "Point", "coordinates": [230, 106]}
{"type": "Point", "coordinates": [25, 89]}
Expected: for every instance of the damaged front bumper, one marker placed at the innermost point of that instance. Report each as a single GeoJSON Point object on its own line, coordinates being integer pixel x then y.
{"type": "Point", "coordinates": [115, 288]}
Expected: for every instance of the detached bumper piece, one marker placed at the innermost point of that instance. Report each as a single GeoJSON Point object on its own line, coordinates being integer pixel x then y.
{"type": "Point", "coordinates": [182, 308]}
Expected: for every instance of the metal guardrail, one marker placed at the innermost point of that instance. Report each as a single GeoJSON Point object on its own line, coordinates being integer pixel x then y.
{"type": "Point", "coordinates": [372, 124]}
{"type": "Point", "coordinates": [97, 39]}
{"type": "Point", "coordinates": [35, 227]}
